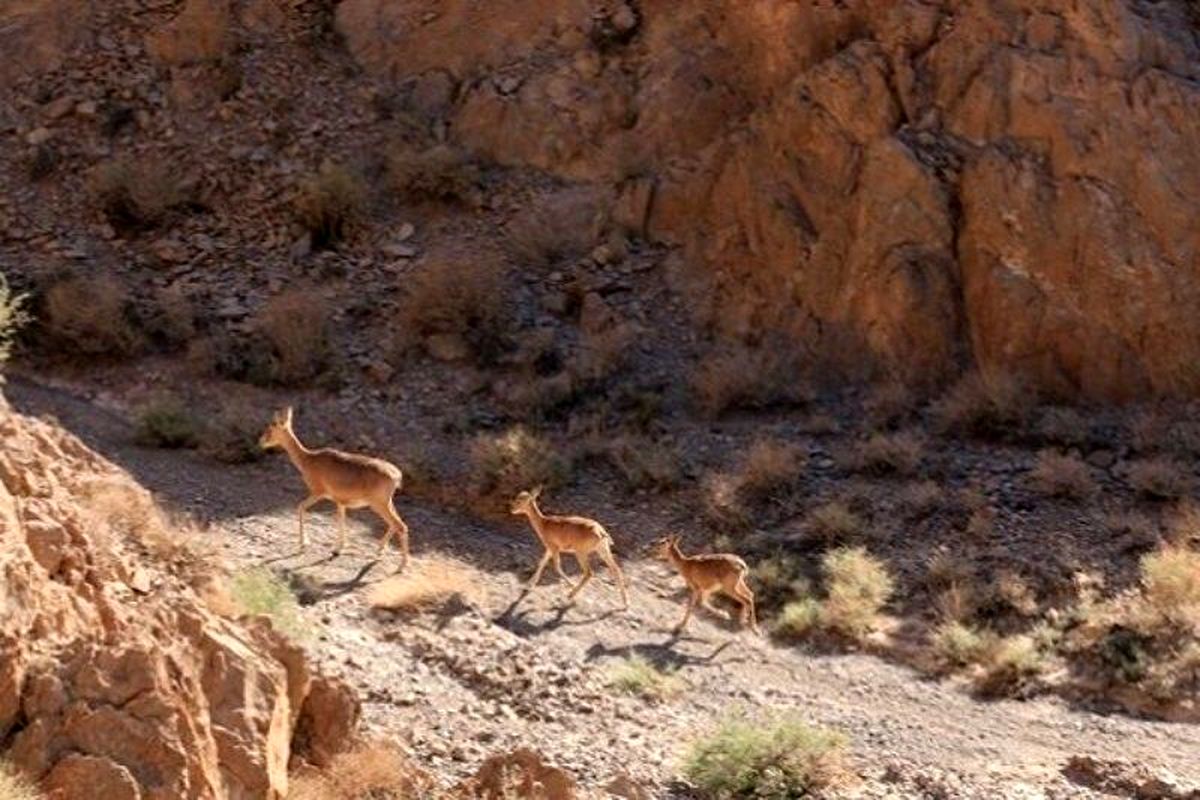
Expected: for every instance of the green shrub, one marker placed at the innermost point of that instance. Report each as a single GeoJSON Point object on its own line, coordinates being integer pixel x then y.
{"type": "Point", "coordinates": [636, 675]}
{"type": "Point", "coordinates": [516, 460]}
{"type": "Point", "coordinates": [1171, 584]}
{"type": "Point", "coordinates": [799, 618]}
{"type": "Point", "coordinates": [858, 586]}
{"type": "Point", "coordinates": [259, 591]}
{"type": "Point", "coordinates": [1009, 664]}
{"type": "Point", "coordinates": [165, 422]}
{"type": "Point", "coordinates": [957, 645]}
{"type": "Point", "coordinates": [12, 317]}
{"type": "Point", "coordinates": [765, 759]}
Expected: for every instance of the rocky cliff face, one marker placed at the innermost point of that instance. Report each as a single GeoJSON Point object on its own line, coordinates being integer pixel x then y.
{"type": "Point", "coordinates": [916, 184]}
{"type": "Point", "coordinates": [116, 681]}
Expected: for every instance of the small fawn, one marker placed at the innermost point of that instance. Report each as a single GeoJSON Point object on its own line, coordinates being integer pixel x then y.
{"type": "Point", "coordinates": [578, 536]}
{"type": "Point", "coordinates": [346, 479]}
{"type": "Point", "coordinates": [707, 574]}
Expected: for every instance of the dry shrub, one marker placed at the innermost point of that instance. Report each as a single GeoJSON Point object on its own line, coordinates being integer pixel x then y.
{"type": "Point", "coordinates": [136, 193]}
{"type": "Point", "coordinates": [466, 297]}
{"type": "Point", "coordinates": [88, 316]}
{"type": "Point", "coordinates": [296, 324]}
{"type": "Point", "coordinates": [1133, 530]}
{"type": "Point", "coordinates": [373, 771]}
{"type": "Point", "coordinates": [1009, 591]}
{"type": "Point", "coordinates": [1064, 426]}
{"type": "Point", "coordinates": [560, 229]}
{"type": "Point", "coordinates": [956, 645]}
{"type": "Point", "coordinates": [635, 675]}
{"type": "Point", "coordinates": [921, 499]}
{"type": "Point", "coordinates": [645, 464]}
{"type": "Point", "coordinates": [990, 406]}
{"type": "Point", "coordinates": [981, 524]}
{"type": "Point", "coordinates": [516, 460]}
{"type": "Point", "coordinates": [231, 436]}
{"type": "Point", "coordinates": [260, 591]}
{"type": "Point", "coordinates": [1160, 478]}
{"type": "Point", "coordinates": [956, 602]}
{"type": "Point", "coordinates": [889, 404]}
{"type": "Point", "coordinates": [130, 513]}
{"type": "Point", "coordinates": [886, 454]}
{"type": "Point", "coordinates": [169, 318]}
{"type": "Point", "coordinates": [799, 618]}
{"type": "Point", "coordinates": [770, 468]}
{"type": "Point", "coordinates": [1009, 665]}
{"type": "Point", "coordinates": [775, 758]}
{"type": "Point", "coordinates": [440, 172]}
{"type": "Point", "coordinates": [857, 587]}
{"type": "Point", "coordinates": [1064, 476]}
{"type": "Point", "coordinates": [14, 786]}
{"type": "Point", "coordinates": [433, 581]}
{"type": "Point", "coordinates": [835, 522]}
{"type": "Point", "coordinates": [12, 317]}
{"type": "Point", "coordinates": [1183, 525]}
{"type": "Point", "coordinates": [745, 377]}
{"type": "Point", "coordinates": [1171, 585]}
{"type": "Point", "coordinates": [604, 353]}
{"type": "Point", "coordinates": [947, 568]}
{"type": "Point", "coordinates": [329, 203]}
{"type": "Point", "coordinates": [166, 422]}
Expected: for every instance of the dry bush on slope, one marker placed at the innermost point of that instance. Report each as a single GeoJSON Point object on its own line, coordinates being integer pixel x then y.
{"type": "Point", "coordinates": [136, 194]}
{"type": "Point", "coordinates": [440, 172]}
{"type": "Point", "coordinates": [296, 324]}
{"type": "Point", "coordinates": [433, 581]}
{"type": "Point", "coordinates": [516, 460]}
{"type": "Point", "coordinates": [745, 377]}
{"type": "Point", "coordinates": [766, 477]}
{"type": "Point", "coordinates": [87, 316]}
{"type": "Point", "coordinates": [994, 406]}
{"type": "Point", "coordinates": [12, 317]}
{"type": "Point", "coordinates": [329, 203]}
{"type": "Point", "coordinates": [857, 587]}
{"type": "Point", "coordinates": [13, 786]}
{"type": "Point", "coordinates": [373, 771]}
{"type": "Point", "coordinates": [462, 296]}
{"type": "Point", "coordinates": [1064, 476]}
{"type": "Point", "coordinates": [1160, 478]}
{"type": "Point", "coordinates": [886, 454]}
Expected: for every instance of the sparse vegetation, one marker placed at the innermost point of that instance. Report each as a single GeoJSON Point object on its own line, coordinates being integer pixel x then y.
{"type": "Point", "coordinates": [886, 454]}
{"type": "Point", "coordinates": [516, 460]}
{"type": "Point", "coordinates": [552, 232]}
{"type": "Point", "coordinates": [835, 522]}
{"type": "Point", "coordinates": [433, 581]}
{"type": "Point", "coordinates": [87, 316]}
{"type": "Point", "coordinates": [1008, 664]}
{"type": "Point", "coordinates": [857, 587]}
{"type": "Point", "coordinates": [329, 203]}
{"type": "Point", "coordinates": [12, 317]}
{"type": "Point", "coordinates": [770, 467]}
{"type": "Point", "coordinates": [13, 786]}
{"type": "Point", "coordinates": [165, 422]}
{"type": "Point", "coordinates": [466, 299]}
{"type": "Point", "coordinates": [957, 645]}
{"type": "Point", "coordinates": [889, 404]}
{"type": "Point", "coordinates": [772, 759]}
{"type": "Point", "coordinates": [922, 498]}
{"type": "Point", "coordinates": [744, 377]}
{"type": "Point", "coordinates": [635, 675]}
{"type": "Point", "coordinates": [1171, 585]}
{"type": "Point", "coordinates": [1064, 476]}
{"type": "Point", "coordinates": [1160, 478]}
{"type": "Point", "coordinates": [603, 353]}
{"type": "Point", "coordinates": [373, 771]}
{"type": "Point", "coordinates": [296, 324]}
{"type": "Point", "coordinates": [644, 464]}
{"type": "Point", "coordinates": [136, 194]}
{"type": "Point", "coordinates": [232, 436]}
{"type": "Point", "coordinates": [260, 591]}
{"type": "Point", "coordinates": [440, 172]}
{"type": "Point", "coordinates": [989, 406]}
{"type": "Point", "coordinates": [799, 618]}
{"type": "Point", "coordinates": [1064, 426]}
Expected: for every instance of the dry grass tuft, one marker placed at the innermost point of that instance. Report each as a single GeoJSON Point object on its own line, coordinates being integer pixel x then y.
{"type": "Point", "coordinates": [886, 454]}
{"type": "Point", "coordinates": [516, 460]}
{"type": "Point", "coordinates": [88, 316]}
{"type": "Point", "coordinates": [956, 645]}
{"type": "Point", "coordinates": [644, 464]}
{"type": "Point", "coordinates": [433, 581]}
{"type": "Point", "coordinates": [262, 592]}
{"type": "Point", "coordinates": [123, 510]}
{"type": "Point", "coordinates": [922, 498]}
{"type": "Point", "coordinates": [799, 618]}
{"type": "Point", "coordinates": [857, 587]}
{"type": "Point", "coordinates": [553, 232]}
{"type": "Point", "coordinates": [1160, 478]}
{"type": "Point", "coordinates": [329, 203]}
{"type": "Point", "coordinates": [1171, 585]}
{"type": "Point", "coordinates": [136, 194]}
{"type": "Point", "coordinates": [1064, 426]}
{"type": "Point", "coordinates": [889, 404]}
{"type": "Point", "coordinates": [987, 406]}
{"type": "Point", "coordinates": [14, 786]}
{"type": "Point", "coordinates": [1064, 476]}
{"type": "Point", "coordinates": [440, 173]}
{"type": "Point", "coordinates": [165, 422]}
{"type": "Point", "coordinates": [466, 299]}
{"type": "Point", "coordinates": [373, 771]}
{"type": "Point", "coordinates": [1009, 665]}
{"type": "Point", "coordinates": [774, 758]}
{"type": "Point", "coordinates": [744, 377]}
{"type": "Point", "coordinates": [834, 522]}
{"type": "Point", "coordinates": [770, 467]}
{"type": "Point", "coordinates": [296, 324]}
{"type": "Point", "coordinates": [635, 675]}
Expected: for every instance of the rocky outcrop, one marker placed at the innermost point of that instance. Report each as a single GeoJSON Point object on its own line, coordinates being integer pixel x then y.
{"type": "Point", "coordinates": [116, 681]}
{"type": "Point", "coordinates": [915, 185]}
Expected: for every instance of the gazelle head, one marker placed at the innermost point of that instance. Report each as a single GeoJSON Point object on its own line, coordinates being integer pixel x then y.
{"type": "Point", "coordinates": [662, 548]}
{"type": "Point", "coordinates": [278, 431]}
{"type": "Point", "coordinates": [524, 501]}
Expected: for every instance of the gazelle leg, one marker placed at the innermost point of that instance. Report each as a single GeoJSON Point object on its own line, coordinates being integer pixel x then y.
{"type": "Point", "coordinates": [618, 576]}
{"type": "Point", "coordinates": [692, 600]}
{"type": "Point", "coordinates": [397, 526]}
{"type": "Point", "coordinates": [301, 509]}
{"type": "Point", "coordinates": [706, 601]}
{"type": "Point", "coordinates": [558, 568]}
{"type": "Point", "coordinates": [341, 542]}
{"type": "Point", "coordinates": [747, 599]}
{"type": "Point", "coordinates": [584, 560]}
{"type": "Point", "coordinates": [537, 574]}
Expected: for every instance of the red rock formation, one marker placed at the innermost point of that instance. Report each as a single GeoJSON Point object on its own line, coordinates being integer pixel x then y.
{"type": "Point", "coordinates": [116, 681]}
{"type": "Point", "coordinates": [1014, 183]}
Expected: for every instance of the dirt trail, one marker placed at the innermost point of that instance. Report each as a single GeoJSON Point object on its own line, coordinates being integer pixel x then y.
{"type": "Point", "coordinates": [472, 680]}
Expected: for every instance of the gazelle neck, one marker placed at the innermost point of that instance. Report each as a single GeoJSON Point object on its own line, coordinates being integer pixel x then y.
{"type": "Point", "coordinates": [536, 518]}
{"type": "Point", "coordinates": [675, 554]}
{"type": "Point", "coordinates": [296, 451]}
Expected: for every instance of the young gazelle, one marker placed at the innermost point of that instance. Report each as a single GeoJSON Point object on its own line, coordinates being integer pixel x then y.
{"type": "Point", "coordinates": [578, 536]}
{"type": "Point", "coordinates": [708, 574]}
{"type": "Point", "coordinates": [346, 479]}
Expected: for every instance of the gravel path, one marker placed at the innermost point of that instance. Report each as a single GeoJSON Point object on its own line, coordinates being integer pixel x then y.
{"type": "Point", "coordinates": [512, 669]}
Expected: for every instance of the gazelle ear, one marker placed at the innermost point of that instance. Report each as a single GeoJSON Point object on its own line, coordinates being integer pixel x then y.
{"type": "Point", "coordinates": [535, 492]}
{"type": "Point", "coordinates": [287, 415]}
